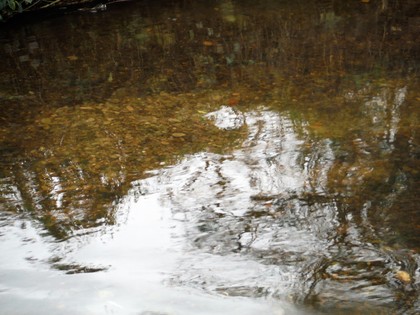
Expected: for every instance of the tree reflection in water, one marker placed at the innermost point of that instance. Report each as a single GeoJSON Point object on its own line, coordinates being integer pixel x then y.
{"type": "Point", "coordinates": [285, 215]}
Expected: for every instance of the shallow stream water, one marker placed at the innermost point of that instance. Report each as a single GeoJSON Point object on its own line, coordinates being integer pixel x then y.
{"type": "Point", "coordinates": [212, 157]}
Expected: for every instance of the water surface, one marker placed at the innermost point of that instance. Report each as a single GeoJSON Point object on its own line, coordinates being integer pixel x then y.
{"type": "Point", "coordinates": [228, 157]}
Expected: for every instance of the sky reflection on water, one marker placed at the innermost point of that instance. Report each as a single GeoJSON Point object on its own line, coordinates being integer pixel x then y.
{"type": "Point", "coordinates": [259, 222]}
{"type": "Point", "coordinates": [213, 234]}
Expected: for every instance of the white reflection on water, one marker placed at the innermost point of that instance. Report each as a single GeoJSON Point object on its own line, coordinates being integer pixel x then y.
{"type": "Point", "coordinates": [213, 234]}
{"type": "Point", "coordinates": [151, 261]}
{"type": "Point", "coordinates": [213, 196]}
{"type": "Point", "coordinates": [142, 255]}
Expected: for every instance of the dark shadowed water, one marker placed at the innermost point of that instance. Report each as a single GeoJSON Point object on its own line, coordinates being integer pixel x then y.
{"type": "Point", "coordinates": [212, 157]}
